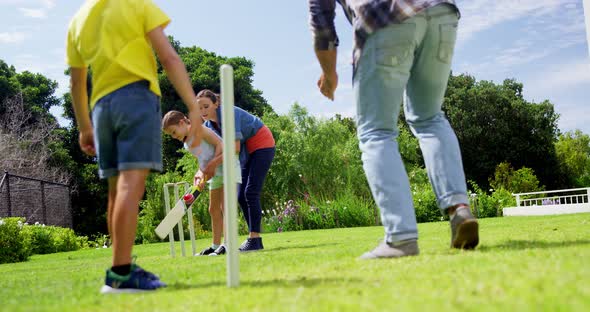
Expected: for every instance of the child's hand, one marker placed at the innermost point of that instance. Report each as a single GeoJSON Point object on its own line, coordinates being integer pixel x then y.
{"type": "Point", "coordinates": [86, 140]}
{"type": "Point", "coordinates": [200, 179]}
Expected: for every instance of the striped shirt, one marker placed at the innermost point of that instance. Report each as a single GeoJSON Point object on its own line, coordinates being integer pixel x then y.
{"type": "Point", "coordinates": [366, 16]}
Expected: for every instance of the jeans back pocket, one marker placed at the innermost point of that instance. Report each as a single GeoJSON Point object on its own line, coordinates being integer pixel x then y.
{"type": "Point", "coordinates": [395, 45]}
{"type": "Point", "coordinates": [446, 45]}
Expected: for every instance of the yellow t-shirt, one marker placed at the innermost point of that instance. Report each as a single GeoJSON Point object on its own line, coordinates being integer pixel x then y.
{"type": "Point", "coordinates": [110, 36]}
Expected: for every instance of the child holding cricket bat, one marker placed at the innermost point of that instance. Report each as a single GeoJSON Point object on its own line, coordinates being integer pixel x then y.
{"type": "Point", "coordinates": [209, 155]}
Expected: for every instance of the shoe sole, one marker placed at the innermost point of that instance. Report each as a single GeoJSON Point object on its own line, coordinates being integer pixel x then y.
{"type": "Point", "coordinates": [253, 250]}
{"type": "Point", "coordinates": [467, 235]}
{"type": "Point", "coordinates": [110, 290]}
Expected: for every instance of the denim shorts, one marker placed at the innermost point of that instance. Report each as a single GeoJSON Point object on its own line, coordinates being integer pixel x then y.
{"type": "Point", "coordinates": [127, 130]}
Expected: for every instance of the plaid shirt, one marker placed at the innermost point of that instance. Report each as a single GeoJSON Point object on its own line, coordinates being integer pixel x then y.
{"type": "Point", "coordinates": [366, 16]}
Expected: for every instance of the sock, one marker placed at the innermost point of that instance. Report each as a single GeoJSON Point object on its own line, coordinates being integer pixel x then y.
{"type": "Point", "coordinates": [215, 246]}
{"type": "Point", "coordinates": [122, 269]}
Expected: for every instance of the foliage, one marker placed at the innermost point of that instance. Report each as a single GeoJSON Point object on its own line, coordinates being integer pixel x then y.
{"type": "Point", "coordinates": [516, 181]}
{"type": "Point", "coordinates": [15, 244]}
{"type": "Point", "coordinates": [203, 67]}
{"type": "Point", "coordinates": [494, 124]}
{"type": "Point", "coordinates": [573, 153]}
{"type": "Point", "coordinates": [347, 210]}
{"type": "Point", "coordinates": [19, 240]}
{"type": "Point", "coordinates": [486, 205]}
{"type": "Point", "coordinates": [314, 157]}
{"type": "Point", "coordinates": [38, 92]}
{"type": "Point", "coordinates": [51, 239]}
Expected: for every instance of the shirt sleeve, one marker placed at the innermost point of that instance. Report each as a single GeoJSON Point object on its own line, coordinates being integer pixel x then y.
{"type": "Point", "coordinates": [73, 57]}
{"type": "Point", "coordinates": [239, 113]}
{"type": "Point", "coordinates": [321, 21]}
{"type": "Point", "coordinates": [154, 17]}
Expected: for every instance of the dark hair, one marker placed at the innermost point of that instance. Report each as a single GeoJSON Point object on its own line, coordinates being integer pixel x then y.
{"type": "Point", "coordinates": [208, 94]}
{"type": "Point", "coordinates": [172, 118]}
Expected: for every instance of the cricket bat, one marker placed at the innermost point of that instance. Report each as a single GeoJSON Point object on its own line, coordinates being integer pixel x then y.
{"type": "Point", "coordinates": [176, 214]}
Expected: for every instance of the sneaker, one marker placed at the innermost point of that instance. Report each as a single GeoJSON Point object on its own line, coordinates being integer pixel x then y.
{"type": "Point", "coordinates": [464, 229]}
{"type": "Point", "coordinates": [252, 244]}
{"type": "Point", "coordinates": [137, 280]}
{"type": "Point", "coordinates": [393, 250]}
{"type": "Point", "coordinates": [219, 251]}
{"type": "Point", "coordinates": [207, 251]}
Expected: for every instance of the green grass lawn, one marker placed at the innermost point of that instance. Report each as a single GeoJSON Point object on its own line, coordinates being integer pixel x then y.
{"type": "Point", "coordinates": [522, 264]}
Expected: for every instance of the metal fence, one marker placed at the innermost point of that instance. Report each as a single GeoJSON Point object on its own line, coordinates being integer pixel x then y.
{"type": "Point", "coordinates": [36, 200]}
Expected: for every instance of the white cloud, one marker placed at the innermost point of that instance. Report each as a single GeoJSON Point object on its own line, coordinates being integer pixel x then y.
{"type": "Point", "coordinates": [34, 13]}
{"type": "Point", "coordinates": [12, 37]}
{"type": "Point", "coordinates": [543, 28]}
{"type": "Point", "coordinates": [562, 77]}
{"type": "Point", "coordinates": [33, 9]}
{"type": "Point", "coordinates": [480, 15]}
{"type": "Point", "coordinates": [48, 3]}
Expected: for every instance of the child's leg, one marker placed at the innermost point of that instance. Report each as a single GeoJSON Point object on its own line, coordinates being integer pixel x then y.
{"type": "Point", "coordinates": [111, 204]}
{"type": "Point", "coordinates": [216, 212]}
{"type": "Point", "coordinates": [130, 189]}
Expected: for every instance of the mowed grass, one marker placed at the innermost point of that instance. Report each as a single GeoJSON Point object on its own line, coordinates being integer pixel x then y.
{"type": "Point", "coordinates": [522, 264]}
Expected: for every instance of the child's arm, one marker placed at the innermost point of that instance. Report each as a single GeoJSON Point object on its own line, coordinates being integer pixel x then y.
{"type": "Point", "coordinates": [80, 101]}
{"type": "Point", "coordinates": [179, 78]}
{"type": "Point", "coordinates": [211, 138]}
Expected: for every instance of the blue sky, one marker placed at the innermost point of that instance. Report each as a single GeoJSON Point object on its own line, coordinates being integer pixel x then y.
{"type": "Point", "coordinates": [541, 43]}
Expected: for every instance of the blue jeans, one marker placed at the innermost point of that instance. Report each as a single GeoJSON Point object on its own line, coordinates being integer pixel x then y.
{"type": "Point", "coordinates": [127, 131]}
{"type": "Point", "coordinates": [253, 174]}
{"type": "Point", "coordinates": [416, 56]}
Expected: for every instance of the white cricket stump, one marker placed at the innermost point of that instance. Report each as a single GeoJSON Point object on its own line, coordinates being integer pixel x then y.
{"type": "Point", "coordinates": [177, 194]}
{"type": "Point", "coordinates": [229, 175]}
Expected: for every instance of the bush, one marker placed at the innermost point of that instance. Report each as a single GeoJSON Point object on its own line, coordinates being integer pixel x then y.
{"type": "Point", "coordinates": [347, 210]}
{"type": "Point", "coordinates": [486, 205]}
{"type": "Point", "coordinates": [15, 245]}
{"type": "Point", "coordinates": [517, 181]}
{"type": "Point", "coordinates": [51, 239]}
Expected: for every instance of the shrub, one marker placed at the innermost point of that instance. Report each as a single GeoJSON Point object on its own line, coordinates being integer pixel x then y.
{"type": "Point", "coordinates": [425, 203]}
{"type": "Point", "coordinates": [490, 205]}
{"type": "Point", "coordinates": [15, 245]}
{"type": "Point", "coordinates": [517, 181]}
{"type": "Point", "coordinates": [51, 239]}
{"type": "Point", "coordinates": [347, 210]}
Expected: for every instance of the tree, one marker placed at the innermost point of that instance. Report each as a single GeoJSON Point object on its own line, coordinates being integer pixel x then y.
{"type": "Point", "coordinates": [36, 90]}
{"type": "Point", "coordinates": [203, 68]}
{"type": "Point", "coordinates": [516, 181]}
{"type": "Point", "coordinates": [495, 124]}
{"type": "Point", "coordinates": [30, 149]}
{"type": "Point", "coordinates": [573, 153]}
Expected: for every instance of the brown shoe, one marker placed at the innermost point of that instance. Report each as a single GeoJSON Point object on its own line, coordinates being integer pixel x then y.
{"type": "Point", "coordinates": [393, 250]}
{"type": "Point", "coordinates": [464, 229]}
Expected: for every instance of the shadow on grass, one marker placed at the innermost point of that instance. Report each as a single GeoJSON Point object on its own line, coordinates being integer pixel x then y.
{"type": "Point", "coordinates": [297, 247]}
{"type": "Point", "coordinates": [285, 283]}
{"type": "Point", "coordinates": [531, 244]}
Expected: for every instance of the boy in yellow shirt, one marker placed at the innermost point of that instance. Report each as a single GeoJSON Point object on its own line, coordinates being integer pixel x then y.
{"type": "Point", "coordinates": [116, 38]}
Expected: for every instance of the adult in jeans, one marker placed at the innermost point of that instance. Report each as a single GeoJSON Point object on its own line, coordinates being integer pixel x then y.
{"type": "Point", "coordinates": [400, 45]}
